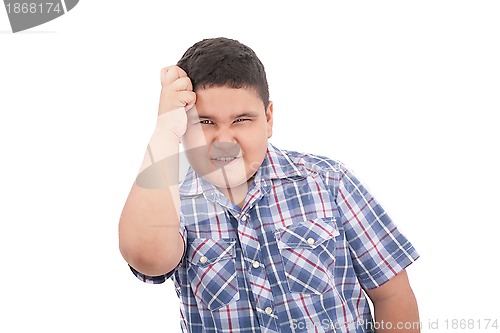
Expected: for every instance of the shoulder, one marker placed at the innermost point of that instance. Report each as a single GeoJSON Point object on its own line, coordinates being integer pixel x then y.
{"type": "Point", "coordinates": [313, 163]}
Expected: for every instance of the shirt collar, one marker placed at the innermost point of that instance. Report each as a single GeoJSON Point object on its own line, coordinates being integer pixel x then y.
{"type": "Point", "coordinates": [276, 165]}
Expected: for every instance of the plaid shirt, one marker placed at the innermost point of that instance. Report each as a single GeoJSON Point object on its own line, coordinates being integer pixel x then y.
{"type": "Point", "coordinates": [294, 258]}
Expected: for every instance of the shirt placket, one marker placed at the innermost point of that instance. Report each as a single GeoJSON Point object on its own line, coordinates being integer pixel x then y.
{"type": "Point", "coordinates": [255, 268]}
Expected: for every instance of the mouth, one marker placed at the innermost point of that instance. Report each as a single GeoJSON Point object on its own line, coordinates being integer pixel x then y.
{"type": "Point", "coordinates": [224, 158]}
{"type": "Point", "coordinates": [221, 161]}
{"type": "Point", "coordinates": [224, 153]}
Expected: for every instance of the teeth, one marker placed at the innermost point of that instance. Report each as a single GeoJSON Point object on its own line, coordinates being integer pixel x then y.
{"type": "Point", "coordinates": [224, 159]}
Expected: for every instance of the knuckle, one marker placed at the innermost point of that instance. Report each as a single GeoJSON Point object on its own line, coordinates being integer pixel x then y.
{"type": "Point", "coordinates": [180, 71]}
{"type": "Point", "coordinates": [165, 70]}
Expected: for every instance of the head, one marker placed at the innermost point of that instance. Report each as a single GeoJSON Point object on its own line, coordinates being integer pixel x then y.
{"type": "Point", "coordinates": [231, 122]}
{"type": "Point", "coordinates": [219, 62]}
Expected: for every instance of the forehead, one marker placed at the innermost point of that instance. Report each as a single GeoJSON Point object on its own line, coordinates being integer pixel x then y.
{"type": "Point", "coordinates": [226, 100]}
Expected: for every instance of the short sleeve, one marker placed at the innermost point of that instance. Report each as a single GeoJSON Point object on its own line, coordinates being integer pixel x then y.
{"type": "Point", "coordinates": [379, 250]}
{"type": "Point", "coordinates": [162, 278]}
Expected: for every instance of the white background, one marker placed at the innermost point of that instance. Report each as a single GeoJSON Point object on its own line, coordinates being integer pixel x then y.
{"type": "Point", "coordinates": [405, 93]}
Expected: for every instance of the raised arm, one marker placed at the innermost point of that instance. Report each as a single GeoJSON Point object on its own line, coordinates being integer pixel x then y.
{"type": "Point", "coordinates": [149, 225]}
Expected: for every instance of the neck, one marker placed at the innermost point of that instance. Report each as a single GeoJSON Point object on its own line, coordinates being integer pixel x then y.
{"type": "Point", "coordinates": [237, 194]}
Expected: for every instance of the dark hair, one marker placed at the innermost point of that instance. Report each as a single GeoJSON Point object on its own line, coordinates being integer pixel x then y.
{"type": "Point", "coordinates": [218, 62]}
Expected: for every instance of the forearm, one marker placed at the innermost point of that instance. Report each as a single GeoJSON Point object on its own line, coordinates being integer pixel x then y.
{"type": "Point", "coordinates": [397, 314]}
{"type": "Point", "coordinates": [149, 224]}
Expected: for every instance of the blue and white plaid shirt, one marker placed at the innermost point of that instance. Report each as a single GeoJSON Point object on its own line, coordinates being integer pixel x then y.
{"type": "Point", "coordinates": [294, 258]}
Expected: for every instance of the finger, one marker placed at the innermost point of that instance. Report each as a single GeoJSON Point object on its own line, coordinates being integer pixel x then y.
{"type": "Point", "coordinates": [175, 100]}
{"type": "Point", "coordinates": [163, 73]}
{"type": "Point", "coordinates": [182, 73]}
{"type": "Point", "coordinates": [188, 98]}
{"type": "Point", "coordinates": [181, 84]}
{"type": "Point", "coordinates": [170, 74]}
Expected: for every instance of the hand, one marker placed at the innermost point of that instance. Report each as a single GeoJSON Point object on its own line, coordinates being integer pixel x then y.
{"type": "Point", "coordinates": [177, 90]}
{"type": "Point", "coordinates": [177, 97]}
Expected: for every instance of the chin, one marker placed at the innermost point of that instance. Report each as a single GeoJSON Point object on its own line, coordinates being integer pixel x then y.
{"type": "Point", "coordinates": [226, 180]}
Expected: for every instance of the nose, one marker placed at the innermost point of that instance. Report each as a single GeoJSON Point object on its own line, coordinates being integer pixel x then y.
{"type": "Point", "coordinates": [224, 135]}
{"type": "Point", "coordinates": [224, 143]}
{"type": "Point", "coordinates": [224, 149]}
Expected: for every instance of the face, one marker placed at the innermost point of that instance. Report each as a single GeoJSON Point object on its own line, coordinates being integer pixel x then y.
{"type": "Point", "coordinates": [227, 135]}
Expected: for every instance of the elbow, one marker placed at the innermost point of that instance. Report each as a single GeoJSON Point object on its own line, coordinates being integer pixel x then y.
{"type": "Point", "coordinates": [149, 260]}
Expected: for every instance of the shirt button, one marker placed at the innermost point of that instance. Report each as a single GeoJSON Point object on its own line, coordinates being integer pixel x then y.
{"type": "Point", "coordinates": [256, 264]}
{"type": "Point", "coordinates": [244, 218]}
{"type": "Point", "coordinates": [203, 259]}
{"type": "Point", "coordinates": [310, 241]}
{"type": "Point", "coordinates": [268, 310]}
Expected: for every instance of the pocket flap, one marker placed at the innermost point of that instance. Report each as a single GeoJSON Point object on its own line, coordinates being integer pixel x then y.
{"type": "Point", "coordinates": [205, 251]}
{"type": "Point", "coordinates": [308, 234]}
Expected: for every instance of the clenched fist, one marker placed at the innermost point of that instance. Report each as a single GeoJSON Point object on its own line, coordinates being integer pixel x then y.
{"type": "Point", "coordinates": [177, 97]}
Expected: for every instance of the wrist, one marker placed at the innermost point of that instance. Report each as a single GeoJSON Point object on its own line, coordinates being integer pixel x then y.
{"type": "Point", "coordinates": [163, 143]}
{"type": "Point", "coordinates": [174, 121]}
{"type": "Point", "coordinates": [160, 167]}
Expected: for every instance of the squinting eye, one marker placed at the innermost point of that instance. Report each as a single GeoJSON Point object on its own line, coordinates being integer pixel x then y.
{"type": "Point", "coordinates": [206, 122]}
{"type": "Point", "coordinates": [239, 120]}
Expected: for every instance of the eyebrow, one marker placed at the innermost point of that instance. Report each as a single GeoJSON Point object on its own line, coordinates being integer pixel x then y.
{"type": "Point", "coordinates": [241, 115]}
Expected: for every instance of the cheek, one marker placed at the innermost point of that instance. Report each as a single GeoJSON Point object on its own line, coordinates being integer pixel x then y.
{"type": "Point", "coordinates": [194, 137]}
{"type": "Point", "coordinates": [196, 149]}
{"type": "Point", "coordinates": [255, 152]}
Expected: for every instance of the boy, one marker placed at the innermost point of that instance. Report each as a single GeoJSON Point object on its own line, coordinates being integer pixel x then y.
{"type": "Point", "coordinates": [257, 239]}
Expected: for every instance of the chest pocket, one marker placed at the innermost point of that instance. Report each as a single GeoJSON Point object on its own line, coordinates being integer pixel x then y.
{"type": "Point", "coordinates": [307, 250]}
{"type": "Point", "coordinates": [212, 271]}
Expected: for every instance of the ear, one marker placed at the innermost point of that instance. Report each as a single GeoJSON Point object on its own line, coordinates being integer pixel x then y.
{"type": "Point", "coordinates": [269, 119]}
